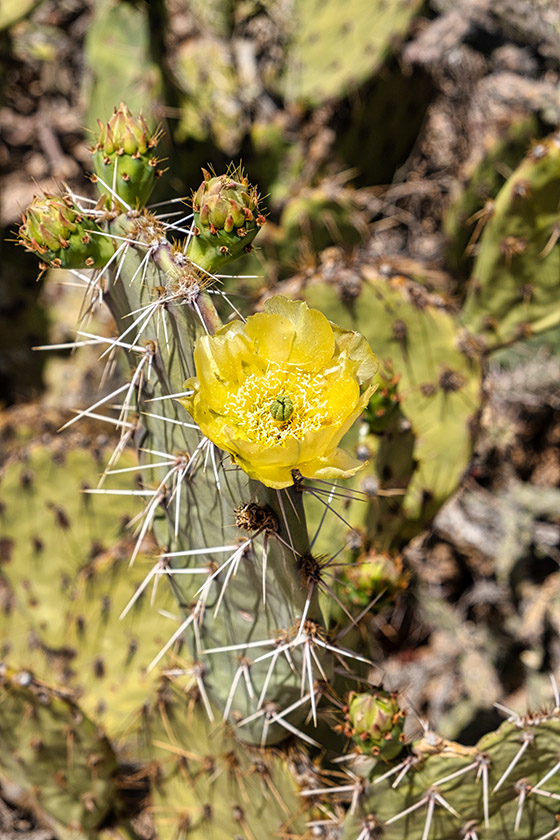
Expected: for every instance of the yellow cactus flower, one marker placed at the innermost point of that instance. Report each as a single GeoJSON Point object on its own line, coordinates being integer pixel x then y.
{"type": "Point", "coordinates": [279, 391]}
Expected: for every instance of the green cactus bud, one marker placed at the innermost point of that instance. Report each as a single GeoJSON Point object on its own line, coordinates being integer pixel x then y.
{"type": "Point", "coordinates": [226, 219]}
{"type": "Point", "coordinates": [375, 575]}
{"type": "Point", "coordinates": [56, 230]}
{"type": "Point", "coordinates": [126, 144]}
{"type": "Point", "coordinates": [385, 401]}
{"type": "Point", "coordinates": [375, 722]}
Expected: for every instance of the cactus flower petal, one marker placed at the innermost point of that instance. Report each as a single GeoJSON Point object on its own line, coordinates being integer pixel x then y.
{"type": "Point", "coordinates": [279, 392]}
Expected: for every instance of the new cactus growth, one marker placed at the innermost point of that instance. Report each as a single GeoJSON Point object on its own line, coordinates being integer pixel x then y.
{"type": "Point", "coordinates": [62, 236]}
{"type": "Point", "coordinates": [124, 159]}
{"type": "Point", "coordinates": [226, 219]}
{"type": "Point", "coordinates": [375, 722]}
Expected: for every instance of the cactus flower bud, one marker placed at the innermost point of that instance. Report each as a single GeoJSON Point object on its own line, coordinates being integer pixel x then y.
{"type": "Point", "coordinates": [126, 144]}
{"type": "Point", "coordinates": [375, 722]}
{"type": "Point", "coordinates": [56, 230]}
{"type": "Point", "coordinates": [226, 219]}
{"type": "Point", "coordinates": [383, 406]}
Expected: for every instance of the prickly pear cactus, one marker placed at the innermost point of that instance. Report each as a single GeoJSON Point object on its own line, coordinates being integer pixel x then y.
{"type": "Point", "coordinates": [437, 396]}
{"type": "Point", "coordinates": [515, 279]}
{"type": "Point", "coordinates": [207, 784]}
{"type": "Point", "coordinates": [120, 45]}
{"type": "Point", "coordinates": [482, 179]}
{"type": "Point", "coordinates": [212, 102]}
{"type": "Point", "coordinates": [66, 581]}
{"type": "Point", "coordinates": [243, 426]}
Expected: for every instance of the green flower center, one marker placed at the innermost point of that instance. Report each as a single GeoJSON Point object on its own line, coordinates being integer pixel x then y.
{"type": "Point", "coordinates": [269, 416]}
{"type": "Point", "coordinates": [282, 408]}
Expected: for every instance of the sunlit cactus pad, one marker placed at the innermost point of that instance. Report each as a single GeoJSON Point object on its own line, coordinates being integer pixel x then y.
{"type": "Point", "coordinates": [325, 34]}
{"type": "Point", "coordinates": [439, 394]}
{"type": "Point", "coordinates": [206, 784]}
{"type": "Point", "coordinates": [66, 580]}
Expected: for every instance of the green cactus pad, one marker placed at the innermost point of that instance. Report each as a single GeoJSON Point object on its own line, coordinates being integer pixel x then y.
{"type": "Point", "coordinates": [324, 34]}
{"type": "Point", "coordinates": [481, 180]}
{"type": "Point", "coordinates": [314, 219]}
{"type": "Point", "coordinates": [440, 395]}
{"type": "Point", "coordinates": [258, 606]}
{"type": "Point", "coordinates": [119, 61]}
{"type": "Point", "coordinates": [213, 95]}
{"type": "Point", "coordinates": [507, 786]}
{"type": "Point", "coordinates": [56, 754]}
{"type": "Point", "coordinates": [384, 404]}
{"type": "Point", "coordinates": [207, 784]}
{"type": "Point", "coordinates": [516, 277]}
{"type": "Point", "coordinates": [66, 580]}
